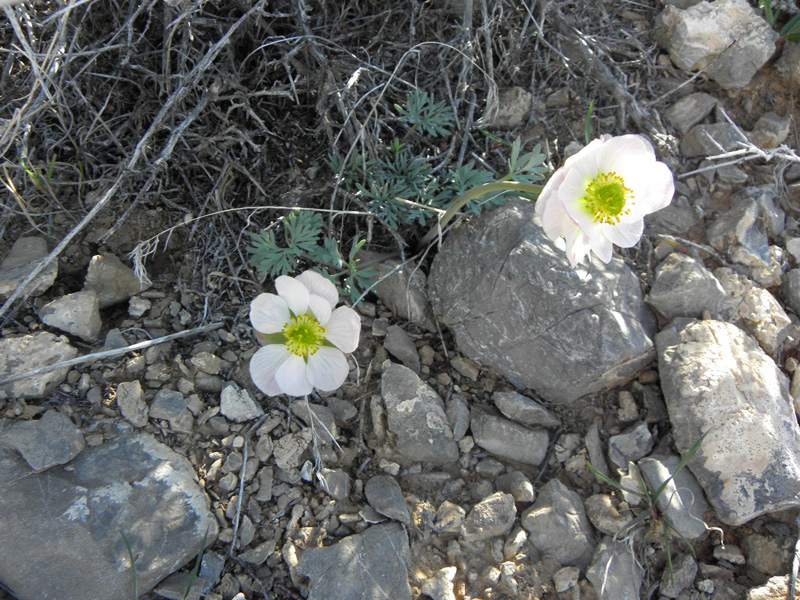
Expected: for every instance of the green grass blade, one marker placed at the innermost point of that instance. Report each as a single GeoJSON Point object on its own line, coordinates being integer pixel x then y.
{"type": "Point", "coordinates": [196, 570]}
{"type": "Point", "coordinates": [680, 535]}
{"type": "Point", "coordinates": [133, 566]}
{"type": "Point", "coordinates": [791, 30]}
{"type": "Point", "coordinates": [669, 554]}
{"type": "Point", "coordinates": [611, 482]}
{"type": "Point", "coordinates": [692, 451]}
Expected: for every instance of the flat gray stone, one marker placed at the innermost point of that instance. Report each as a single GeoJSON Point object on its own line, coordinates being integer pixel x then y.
{"type": "Point", "coordinates": [614, 572]}
{"type": "Point", "coordinates": [492, 516]}
{"type": "Point", "coordinates": [728, 39]}
{"type": "Point", "coordinates": [113, 281]}
{"type": "Point", "coordinates": [237, 404]}
{"type": "Point", "coordinates": [717, 379]}
{"type": "Point", "coordinates": [683, 287]}
{"type": "Point", "coordinates": [130, 400]}
{"type": "Point", "coordinates": [558, 525]}
{"type": "Point", "coordinates": [384, 495]}
{"type": "Point", "coordinates": [51, 440]}
{"type": "Point", "coordinates": [513, 108]}
{"type": "Point", "coordinates": [399, 345]}
{"type": "Point", "coordinates": [24, 256]}
{"type": "Point", "coordinates": [736, 233]}
{"type": "Point", "coordinates": [630, 445]}
{"type": "Point", "coordinates": [684, 570]}
{"type": "Point", "coordinates": [335, 483]}
{"type": "Point", "coordinates": [370, 565]}
{"type": "Point", "coordinates": [516, 484]}
{"type": "Point", "coordinates": [439, 586]}
{"type": "Point", "coordinates": [770, 131]}
{"type": "Point", "coordinates": [29, 352]}
{"type": "Point", "coordinates": [523, 410]}
{"type": "Point", "coordinates": [171, 405]}
{"type": "Point", "coordinates": [682, 501]}
{"type": "Point", "coordinates": [77, 314]}
{"type": "Point", "coordinates": [416, 416]}
{"type": "Point", "coordinates": [689, 111]}
{"type": "Point", "coordinates": [508, 439]}
{"type": "Point", "coordinates": [61, 530]}
{"type": "Point", "coordinates": [514, 304]}
{"type": "Point", "coordinates": [698, 140]}
{"type": "Point", "coordinates": [319, 418]}
{"type": "Point", "coordinates": [290, 448]}
{"type": "Point", "coordinates": [457, 416]}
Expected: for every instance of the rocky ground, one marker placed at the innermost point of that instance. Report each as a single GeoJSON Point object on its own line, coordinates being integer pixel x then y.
{"type": "Point", "coordinates": [452, 464]}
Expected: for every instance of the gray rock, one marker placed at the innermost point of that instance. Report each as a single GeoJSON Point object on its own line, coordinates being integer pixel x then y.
{"type": "Point", "coordinates": [736, 234]}
{"type": "Point", "coordinates": [676, 219]}
{"type": "Point", "coordinates": [790, 290]}
{"type": "Point", "coordinates": [384, 495]}
{"type": "Point", "coordinates": [614, 572]}
{"type": "Point", "coordinates": [776, 588]}
{"type": "Point", "coordinates": [343, 411]}
{"type": "Point", "coordinates": [754, 309]}
{"type": "Point", "coordinates": [457, 416]}
{"type": "Point", "coordinates": [524, 410]}
{"type": "Point", "coordinates": [138, 306]}
{"type": "Point", "coordinates": [335, 483]}
{"type": "Point", "coordinates": [113, 281]}
{"type": "Point", "coordinates": [415, 415]}
{"type": "Point", "coordinates": [717, 379]}
{"type": "Point", "coordinates": [61, 530]}
{"type": "Point", "coordinates": [208, 363]}
{"type": "Point", "coordinates": [404, 291]}
{"type": "Point", "coordinates": [367, 566]}
{"type": "Point", "coordinates": [558, 525]}
{"type": "Point", "coordinates": [130, 401]}
{"type": "Point", "coordinates": [684, 570]}
{"type": "Point", "coordinates": [492, 516]}
{"type": "Point", "coordinates": [566, 578]}
{"type": "Point", "coordinates": [698, 141]}
{"type": "Point", "coordinates": [513, 108]}
{"type": "Point", "coordinates": [602, 511]}
{"type": "Point", "coordinates": [289, 449]}
{"type": "Point", "coordinates": [516, 484]}
{"type": "Point", "coordinates": [683, 287]}
{"type": "Point", "coordinates": [237, 404]}
{"type": "Point", "coordinates": [728, 39]}
{"type": "Point", "coordinates": [507, 439]}
{"type": "Point", "coordinates": [29, 352]}
{"type": "Point", "coordinates": [630, 445]}
{"type": "Point", "coordinates": [449, 518]}
{"type": "Point", "coordinates": [171, 405]}
{"type": "Point", "coordinates": [771, 217]}
{"type": "Point", "coordinates": [319, 418]}
{"type": "Point", "coordinates": [399, 345]}
{"type": "Point", "coordinates": [439, 586]}
{"type": "Point", "coordinates": [682, 501]}
{"type": "Point", "coordinates": [689, 111]}
{"type": "Point", "coordinates": [24, 256]}
{"type": "Point", "coordinates": [770, 131]}
{"type": "Point", "coordinates": [788, 65]}
{"type": "Point", "coordinates": [51, 440]}
{"type": "Point", "coordinates": [514, 304]}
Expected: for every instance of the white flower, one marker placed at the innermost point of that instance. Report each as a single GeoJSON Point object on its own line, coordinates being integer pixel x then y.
{"type": "Point", "coordinates": [600, 196]}
{"type": "Point", "coordinates": [306, 339]}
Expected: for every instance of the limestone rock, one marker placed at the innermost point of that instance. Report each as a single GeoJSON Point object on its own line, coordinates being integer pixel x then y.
{"type": "Point", "coordinates": [490, 517]}
{"type": "Point", "coordinates": [113, 281]}
{"type": "Point", "coordinates": [24, 256]}
{"type": "Point", "coordinates": [508, 439]}
{"type": "Point", "coordinates": [716, 379]}
{"type": "Point", "coordinates": [51, 440]}
{"type": "Point", "coordinates": [77, 314]}
{"type": "Point", "coordinates": [689, 111]}
{"type": "Point", "coordinates": [523, 410]}
{"type": "Point", "coordinates": [384, 495]}
{"type": "Point", "coordinates": [514, 304]}
{"type": "Point", "coordinates": [683, 287]}
{"type": "Point", "coordinates": [29, 352]}
{"type": "Point", "coordinates": [614, 572]}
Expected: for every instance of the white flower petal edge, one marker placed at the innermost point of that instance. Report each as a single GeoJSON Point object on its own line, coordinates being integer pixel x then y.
{"type": "Point", "coordinates": [327, 369]}
{"type": "Point", "coordinates": [268, 313]}
{"type": "Point", "coordinates": [294, 293]}
{"type": "Point", "coordinates": [263, 366]}
{"type": "Point", "coordinates": [291, 377]}
{"type": "Point", "coordinates": [317, 284]}
{"type": "Point", "coordinates": [344, 329]}
{"type": "Point", "coordinates": [320, 308]}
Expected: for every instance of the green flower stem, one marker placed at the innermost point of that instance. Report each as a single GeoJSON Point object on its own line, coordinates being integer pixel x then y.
{"type": "Point", "coordinates": [472, 194]}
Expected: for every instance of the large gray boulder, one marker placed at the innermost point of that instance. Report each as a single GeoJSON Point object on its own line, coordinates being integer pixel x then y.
{"type": "Point", "coordinates": [514, 303]}
{"type": "Point", "coordinates": [717, 380]}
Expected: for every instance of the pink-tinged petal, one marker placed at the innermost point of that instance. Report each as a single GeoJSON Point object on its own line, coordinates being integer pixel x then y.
{"type": "Point", "coordinates": [294, 293]}
{"type": "Point", "coordinates": [320, 308]}
{"type": "Point", "coordinates": [624, 235]}
{"type": "Point", "coordinates": [555, 220]}
{"type": "Point", "coordinates": [601, 247]}
{"type": "Point", "coordinates": [550, 192]}
{"type": "Point", "coordinates": [263, 366]}
{"type": "Point", "coordinates": [291, 377]}
{"type": "Point", "coordinates": [269, 313]}
{"type": "Point", "coordinates": [327, 369]}
{"type": "Point", "coordinates": [344, 329]}
{"type": "Point", "coordinates": [319, 285]}
{"type": "Point", "coordinates": [577, 246]}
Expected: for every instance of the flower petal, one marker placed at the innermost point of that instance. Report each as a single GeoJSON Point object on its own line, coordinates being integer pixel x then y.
{"type": "Point", "coordinates": [327, 369]}
{"type": "Point", "coordinates": [319, 285]}
{"type": "Point", "coordinates": [624, 235]}
{"type": "Point", "coordinates": [550, 192]}
{"type": "Point", "coordinates": [344, 329]}
{"type": "Point", "coordinates": [263, 365]}
{"type": "Point", "coordinates": [578, 246]}
{"type": "Point", "coordinates": [294, 293]}
{"type": "Point", "coordinates": [291, 377]}
{"type": "Point", "coordinates": [269, 313]}
{"type": "Point", "coordinates": [320, 308]}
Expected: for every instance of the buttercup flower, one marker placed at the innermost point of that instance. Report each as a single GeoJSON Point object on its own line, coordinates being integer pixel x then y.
{"type": "Point", "coordinates": [600, 196]}
{"type": "Point", "coordinates": [306, 339]}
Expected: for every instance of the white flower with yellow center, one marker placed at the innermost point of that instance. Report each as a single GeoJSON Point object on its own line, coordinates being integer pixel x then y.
{"type": "Point", "coordinates": [305, 338]}
{"type": "Point", "coordinates": [600, 196]}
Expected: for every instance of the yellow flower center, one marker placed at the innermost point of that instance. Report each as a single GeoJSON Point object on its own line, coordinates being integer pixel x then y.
{"type": "Point", "coordinates": [606, 196]}
{"type": "Point", "coordinates": [304, 335]}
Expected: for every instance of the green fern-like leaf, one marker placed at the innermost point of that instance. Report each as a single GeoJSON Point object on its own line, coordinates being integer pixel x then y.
{"type": "Point", "coordinates": [270, 258]}
{"type": "Point", "coordinates": [303, 229]}
{"type": "Point", "coordinates": [432, 118]}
